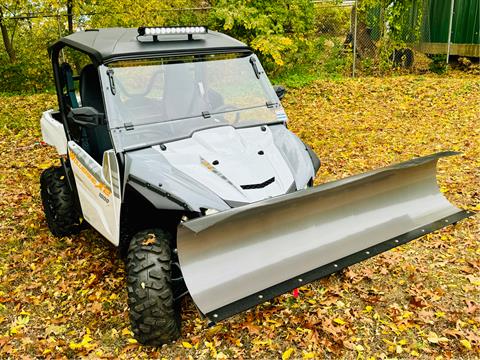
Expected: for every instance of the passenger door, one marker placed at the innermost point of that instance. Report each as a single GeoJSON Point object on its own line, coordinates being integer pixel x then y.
{"type": "Point", "coordinates": [98, 188]}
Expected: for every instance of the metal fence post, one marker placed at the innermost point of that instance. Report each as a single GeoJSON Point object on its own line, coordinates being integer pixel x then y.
{"type": "Point", "coordinates": [452, 5]}
{"type": "Point", "coordinates": [355, 40]}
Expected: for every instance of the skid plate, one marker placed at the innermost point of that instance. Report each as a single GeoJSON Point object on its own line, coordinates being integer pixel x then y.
{"type": "Point", "coordinates": [238, 258]}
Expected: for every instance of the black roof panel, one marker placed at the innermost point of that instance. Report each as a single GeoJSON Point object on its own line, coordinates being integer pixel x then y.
{"type": "Point", "coordinates": [115, 43]}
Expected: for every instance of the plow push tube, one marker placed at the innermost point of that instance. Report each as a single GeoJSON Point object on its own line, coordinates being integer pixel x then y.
{"type": "Point", "coordinates": [236, 259]}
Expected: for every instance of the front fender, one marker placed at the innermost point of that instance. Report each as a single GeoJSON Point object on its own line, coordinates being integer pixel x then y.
{"type": "Point", "coordinates": [165, 187]}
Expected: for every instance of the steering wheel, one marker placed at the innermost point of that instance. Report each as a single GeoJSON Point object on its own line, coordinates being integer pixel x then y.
{"type": "Point", "coordinates": [226, 108]}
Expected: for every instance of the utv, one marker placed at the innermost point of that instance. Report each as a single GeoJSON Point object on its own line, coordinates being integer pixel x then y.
{"type": "Point", "coordinates": [176, 149]}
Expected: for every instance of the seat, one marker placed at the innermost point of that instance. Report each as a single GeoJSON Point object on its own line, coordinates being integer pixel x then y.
{"type": "Point", "coordinates": [182, 96]}
{"type": "Point", "coordinates": [90, 91]}
{"type": "Point", "coordinates": [179, 91]}
{"type": "Point", "coordinates": [98, 137]}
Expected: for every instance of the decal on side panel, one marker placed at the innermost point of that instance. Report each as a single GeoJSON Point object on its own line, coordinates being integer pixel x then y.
{"type": "Point", "coordinates": [105, 189]}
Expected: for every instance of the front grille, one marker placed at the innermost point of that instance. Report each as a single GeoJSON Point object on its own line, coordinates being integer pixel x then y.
{"type": "Point", "coordinates": [258, 186]}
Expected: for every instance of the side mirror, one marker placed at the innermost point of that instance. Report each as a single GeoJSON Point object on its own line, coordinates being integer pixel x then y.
{"type": "Point", "coordinates": [85, 116]}
{"type": "Point", "coordinates": [280, 90]}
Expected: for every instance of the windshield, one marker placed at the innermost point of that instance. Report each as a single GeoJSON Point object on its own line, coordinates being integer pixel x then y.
{"type": "Point", "coordinates": [227, 89]}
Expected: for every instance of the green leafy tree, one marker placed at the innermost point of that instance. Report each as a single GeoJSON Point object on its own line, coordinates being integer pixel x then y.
{"type": "Point", "coordinates": [25, 38]}
{"type": "Point", "coordinates": [274, 29]}
{"type": "Point", "coordinates": [399, 20]}
{"type": "Point", "coordinates": [133, 13]}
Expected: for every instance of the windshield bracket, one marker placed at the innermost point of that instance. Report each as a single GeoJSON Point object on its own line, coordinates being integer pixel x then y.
{"type": "Point", "coordinates": [255, 67]}
{"type": "Point", "coordinates": [128, 126]}
{"type": "Point", "coordinates": [112, 83]}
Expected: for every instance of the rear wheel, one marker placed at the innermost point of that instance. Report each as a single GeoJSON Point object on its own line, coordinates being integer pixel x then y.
{"type": "Point", "coordinates": [154, 315]}
{"type": "Point", "coordinates": [59, 203]}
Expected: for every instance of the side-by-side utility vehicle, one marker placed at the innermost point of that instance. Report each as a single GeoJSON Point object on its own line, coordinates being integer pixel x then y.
{"type": "Point", "coordinates": [175, 147]}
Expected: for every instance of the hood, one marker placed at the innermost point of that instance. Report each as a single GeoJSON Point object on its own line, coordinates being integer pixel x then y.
{"type": "Point", "coordinates": [232, 166]}
{"type": "Point", "coordinates": [240, 166]}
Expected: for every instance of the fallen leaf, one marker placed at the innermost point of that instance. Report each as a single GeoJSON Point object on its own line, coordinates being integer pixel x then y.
{"type": "Point", "coordinates": [466, 344]}
{"type": "Point", "coordinates": [287, 353]}
{"type": "Point", "coordinates": [435, 339]}
{"type": "Point", "coordinates": [473, 279]}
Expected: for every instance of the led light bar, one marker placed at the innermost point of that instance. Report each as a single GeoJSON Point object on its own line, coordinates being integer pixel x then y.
{"type": "Point", "coordinates": [171, 30]}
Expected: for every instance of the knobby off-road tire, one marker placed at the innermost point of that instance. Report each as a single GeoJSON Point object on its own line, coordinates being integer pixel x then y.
{"type": "Point", "coordinates": [59, 203]}
{"type": "Point", "coordinates": [154, 316]}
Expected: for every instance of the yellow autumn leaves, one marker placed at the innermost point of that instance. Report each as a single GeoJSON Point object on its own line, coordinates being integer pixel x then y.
{"type": "Point", "coordinates": [421, 300]}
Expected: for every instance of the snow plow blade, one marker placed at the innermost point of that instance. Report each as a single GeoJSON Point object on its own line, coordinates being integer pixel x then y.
{"type": "Point", "coordinates": [236, 259]}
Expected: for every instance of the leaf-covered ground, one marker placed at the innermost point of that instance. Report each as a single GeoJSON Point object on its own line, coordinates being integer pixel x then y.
{"type": "Point", "coordinates": [66, 297]}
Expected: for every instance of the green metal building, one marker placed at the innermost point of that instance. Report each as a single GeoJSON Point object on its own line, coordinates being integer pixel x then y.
{"type": "Point", "coordinates": [433, 17]}
{"type": "Point", "coordinates": [465, 35]}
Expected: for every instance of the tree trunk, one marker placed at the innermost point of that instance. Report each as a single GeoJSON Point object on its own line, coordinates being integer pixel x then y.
{"type": "Point", "coordinates": [70, 15]}
{"type": "Point", "coordinates": [6, 40]}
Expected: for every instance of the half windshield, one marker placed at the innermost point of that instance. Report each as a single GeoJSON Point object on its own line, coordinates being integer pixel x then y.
{"type": "Point", "coordinates": [146, 92]}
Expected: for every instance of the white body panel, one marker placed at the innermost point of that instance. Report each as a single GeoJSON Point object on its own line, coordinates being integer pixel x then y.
{"type": "Point", "coordinates": [245, 157]}
{"type": "Point", "coordinates": [53, 132]}
{"type": "Point", "coordinates": [217, 168]}
{"type": "Point", "coordinates": [221, 167]}
{"type": "Point", "coordinates": [98, 190]}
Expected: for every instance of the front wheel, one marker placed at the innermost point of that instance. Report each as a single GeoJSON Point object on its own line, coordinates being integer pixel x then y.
{"type": "Point", "coordinates": [154, 315]}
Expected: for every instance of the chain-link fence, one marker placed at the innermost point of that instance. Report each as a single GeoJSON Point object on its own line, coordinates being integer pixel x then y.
{"type": "Point", "coordinates": [417, 35]}
{"type": "Point", "coordinates": [349, 37]}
